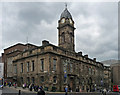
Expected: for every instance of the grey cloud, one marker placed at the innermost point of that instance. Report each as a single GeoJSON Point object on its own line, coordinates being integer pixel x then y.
{"type": "Point", "coordinates": [40, 20]}
{"type": "Point", "coordinates": [36, 12]}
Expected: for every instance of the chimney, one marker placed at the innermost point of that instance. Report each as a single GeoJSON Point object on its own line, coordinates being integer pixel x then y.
{"type": "Point", "coordinates": [45, 42]}
{"type": "Point", "coordinates": [94, 59]}
{"type": "Point", "coordinates": [80, 53]}
{"type": "Point", "coordinates": [86, 56]}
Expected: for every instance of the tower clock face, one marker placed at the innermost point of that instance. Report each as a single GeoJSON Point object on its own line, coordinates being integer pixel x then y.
{"type": "Point", "coordinates": [63, 20]}
{"type": "Point", "coordinates": [70, 21]}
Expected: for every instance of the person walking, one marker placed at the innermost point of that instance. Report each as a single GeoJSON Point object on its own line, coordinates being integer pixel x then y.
{"type": "Point", "coordinates": [66, 90]}
{"type": "Point", "coordinates": [41, 92]}
{"type": "Point", "coordinates": [104, 91]}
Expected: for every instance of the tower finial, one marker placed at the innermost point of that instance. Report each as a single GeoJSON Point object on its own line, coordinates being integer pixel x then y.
{"type": "Point", "coordinates": [65, 5]}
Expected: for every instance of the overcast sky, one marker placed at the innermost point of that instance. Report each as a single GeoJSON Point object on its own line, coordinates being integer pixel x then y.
{"type": "Point", "coordinates": [96, 25]}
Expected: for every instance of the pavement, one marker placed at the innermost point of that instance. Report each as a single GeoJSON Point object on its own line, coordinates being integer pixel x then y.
{"type": "Point", "coordinates": [27, 92]}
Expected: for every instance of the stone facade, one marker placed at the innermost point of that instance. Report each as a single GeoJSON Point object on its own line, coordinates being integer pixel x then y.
{"type": "Point", "coordinates": [0, 59]}
{"type": "Point", "coordinates": [115, 69]}
{"type": "Point", "coordinates": [55, 68]}
{"type": "Point", "coordinates": [8, 55]}
{"type": "Point", "coordinates": [107, 77]}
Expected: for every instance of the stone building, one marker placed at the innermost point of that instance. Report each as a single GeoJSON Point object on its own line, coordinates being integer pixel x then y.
{"type": "Point", "coordinates": [9, 53]}
{"type": "Point", "coordinates": [0, 59]}
{"type": "Point", "coordinates": [107, 77]}
{"type": "Point", "coordinates": [54, 67]}
{"type": "Point", "coordinates": [115, 70]}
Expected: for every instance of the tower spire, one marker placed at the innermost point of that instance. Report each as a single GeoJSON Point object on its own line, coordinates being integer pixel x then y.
{"type": "Point", "coordinates": [65, 5]}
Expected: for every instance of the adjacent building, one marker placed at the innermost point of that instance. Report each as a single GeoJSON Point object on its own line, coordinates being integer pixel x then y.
{"type": "Point", "coordinates": [55, 67]}
{"type": "Point", "coordinates": [107, 77]}
{"type": "Point", "coordinates": [0, 59]}
{"type": "Point", "coordinates": [115, 69]}
{"type": "Point", "coordinates": [1, 70]}
{"type": "Point", "coordinates": [9, 53]}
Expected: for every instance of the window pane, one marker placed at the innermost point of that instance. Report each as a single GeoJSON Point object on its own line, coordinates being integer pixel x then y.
{"type": "Point", "coordinates": [21, 80]}
{"type": "Point", "coordinates": [42, 64]}
{"type": "Point", "coordinates": [28, 80]}
{"type": "Point", "coordinates": [27, 66]}
{"type": "Point", "coordinates": [54, 64]}
{"type": "Point", "coordinates": [65, 80]}
{"type": "Point", "coordinates": [33, 80]}
{"type": "Point", "coordinates": [42, 78]}
{"type": "Point", "coordinates": [15, 69]}
{"type": "Point", "coordinates": [32, 66]}
{"type": "Point", "coordinates": [22, 67]}
{"type": "Point", "coordinates": [71, 67]}
{"type": "Point", "coordinates": [54, 79]}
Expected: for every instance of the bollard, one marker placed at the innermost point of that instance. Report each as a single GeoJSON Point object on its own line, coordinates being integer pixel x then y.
{"type": "Point", "coordinates": [19, 92]}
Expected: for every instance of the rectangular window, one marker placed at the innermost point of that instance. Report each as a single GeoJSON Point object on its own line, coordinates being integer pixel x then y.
{"type": "Point", "coordinates": [83, 67]}
{"type": "Point", "coordinates": [54, 64]}
{"type": "Point", "coordinates": [28, 80]}
{"type": "Point", "coordinates": [33, 80]}
{"type": "Point", "coordinates": [27, 66]}
{"type": "Point", "coordinates": [42, 64]}
{"type": "Point", "coordinates": [89, 70]}
{"type": "Point", "coordinates": [82, 87]}
{"type": "Point", "coordinates": [42, 78]}
{"type": "Point", "coordinates": [54, 48]}
{"type": "Point", "coordinates": [42, 49]}
{"type": "Point", "coordinates": [22, 67]}
{"type": "Point", "coordinates": [65, 80]}
{"type": "Point", "coordinates": [71, 67]}
{"type": "Point", "coordinates": [54, 79]}
{"type": "Point", "coordinates": [21, 80]}
{"type": "Point", "coordinates": [64, 66]}
{"type": "Point", "coordinates": [32, 67]}
{"type": "Point", "coordinates": [15, 69]}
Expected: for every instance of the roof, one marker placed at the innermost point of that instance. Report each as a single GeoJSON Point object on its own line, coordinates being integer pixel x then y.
{"type": "Point", "coordinates": [21, 45]}
{"type": "Point", "coordinates": [65, 14]}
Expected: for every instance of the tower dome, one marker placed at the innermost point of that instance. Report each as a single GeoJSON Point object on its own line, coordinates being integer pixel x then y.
{"type": "Point", "coordinates": [65, 14]}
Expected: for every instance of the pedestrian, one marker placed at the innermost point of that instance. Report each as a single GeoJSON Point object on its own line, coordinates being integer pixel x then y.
{"type": "Point", "coordinates": [80, 90]}
{"type": "Point", "coordinates": [66, 90]}
{"type": "Point", "coordinates": [41, 92]}
{"type": "Point", "coordinates": [15, 85]}
{"type": "Point", "coordinates": [23, 86]}
{"type": "Point", "coordinates": [104, 91]}
{"type": "Point", "coordinates": [9, 84]}
{"type": "Point", "coordinates": [34, 87]}
{"type": "Point", "coordinates": [31, 87]}
{"type": "Point", "coordinates": [37, 88]}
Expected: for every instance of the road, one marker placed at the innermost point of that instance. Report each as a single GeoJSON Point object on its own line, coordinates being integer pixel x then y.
{"type": "Point", "coordinates": [11, 91]}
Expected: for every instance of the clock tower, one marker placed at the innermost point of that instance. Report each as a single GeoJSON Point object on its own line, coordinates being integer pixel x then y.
{"type": "Point", "coordinates": [66, 31]}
